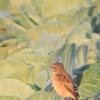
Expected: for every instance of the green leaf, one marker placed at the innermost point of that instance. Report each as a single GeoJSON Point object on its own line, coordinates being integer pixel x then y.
{"type": "Point", "coordinates": [44, 96]}
{"type": "Point", "coordinates": [96, 10]}
{"type": "Point", "coordinates": [81, 55]}
{"type": "Point", "coordinates": [41, 78]}
{"type": "Point", "coordinates": [89, 80]}
{"type": "Point", "coordinates": [10, 46]}
{"type": "Point", "coordinates": [28, 74]}
{"type": "Point", "coordinates": [8, 68]}
{"type": "Point", "coordinates": [32, 18]}
{"type": "Point", "coordinates": [48, 42]}
{"type": "Point", "coordinates": [67, 53]}
{"type": "Point", "coordinates": [9, 98]}
{"type": "Point", "coordinates": [94, 97]}
{"type": "Point", "coordinates": [34, 87]}
{"type": "Point", "coordinates": [18, 21]}
{"type": "Point", "coordinates": [4, 5]}
{"type": "Point", "coordinates": [80, 16]}
{"type": "Point", "coordinates": [77, 37]}
{"type": "Point", "coordinates": [18, 2]}
{"type": "Point", "coordinates": [13, 87]}
{"type": "Point", "coordinates": [48, 8]}
{"type": "Point", "coordinates": [62, 18]}
{"type": "Point", "coordinates": [72, 56]}
{"type": "Point", "coordinates": [49, 28]}
{"type": "Point", "coordinates": [48, 86]}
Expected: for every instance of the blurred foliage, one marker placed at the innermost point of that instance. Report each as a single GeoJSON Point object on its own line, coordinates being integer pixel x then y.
{"type": "Point", "coordinates": [36, 33]}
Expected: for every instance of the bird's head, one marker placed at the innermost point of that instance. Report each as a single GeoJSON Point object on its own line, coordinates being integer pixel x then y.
{"type": "Point", "coordinates": [57, 67]}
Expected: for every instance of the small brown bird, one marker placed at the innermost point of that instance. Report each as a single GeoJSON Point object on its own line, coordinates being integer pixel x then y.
{"type": "Point", "coordinates": [63, 82]}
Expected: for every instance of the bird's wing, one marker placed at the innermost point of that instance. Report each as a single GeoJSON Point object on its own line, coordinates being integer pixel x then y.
{"type": "Point", "coordinates": [67, 83]}
{"type": "Point", "coordinates": [65, 78]}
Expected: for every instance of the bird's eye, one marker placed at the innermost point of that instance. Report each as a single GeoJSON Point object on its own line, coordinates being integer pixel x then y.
{"type": "Point", "coordinates": [54, 67]}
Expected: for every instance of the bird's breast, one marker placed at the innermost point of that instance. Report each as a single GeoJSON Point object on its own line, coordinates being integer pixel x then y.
{"type": "Point", "coordinates": [60, 89]}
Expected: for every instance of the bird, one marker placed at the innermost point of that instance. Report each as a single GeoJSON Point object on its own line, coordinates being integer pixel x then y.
{"type": "Point", "coordinates": [63, 82]}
